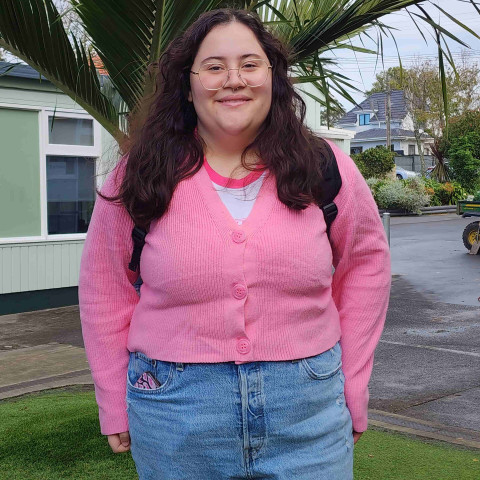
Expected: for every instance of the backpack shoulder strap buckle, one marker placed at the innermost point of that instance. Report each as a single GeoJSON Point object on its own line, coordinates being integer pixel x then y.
{"type": "Point", "coordinates": [138, 237]}
{"type": "Point", "coordinates": [330, 211]}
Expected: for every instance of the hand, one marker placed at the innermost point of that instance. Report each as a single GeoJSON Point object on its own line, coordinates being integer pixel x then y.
{"type": "Point", "coordinates": [356, 436]}
{"type": "Point", "coordinates": [119, 442]}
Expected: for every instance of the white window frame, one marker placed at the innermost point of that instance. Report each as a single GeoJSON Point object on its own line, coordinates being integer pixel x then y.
{"type": "Point", "coordinates": [45, 149]}
{"type": "Point", "coordinates": [65, 151]}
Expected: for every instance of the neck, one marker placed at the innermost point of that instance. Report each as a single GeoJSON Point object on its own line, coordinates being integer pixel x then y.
{"type": "Point", "coordinates": [224, 154]}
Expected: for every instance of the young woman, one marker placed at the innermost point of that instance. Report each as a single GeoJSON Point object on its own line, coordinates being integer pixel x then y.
{"type": "Point", "coordinates": [244, 356]}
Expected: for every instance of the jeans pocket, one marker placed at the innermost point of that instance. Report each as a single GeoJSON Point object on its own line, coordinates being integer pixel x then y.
{"type": "Point", "coordinates": [325, 365]}
{"type": "Point", "coordinates": [139, 363]}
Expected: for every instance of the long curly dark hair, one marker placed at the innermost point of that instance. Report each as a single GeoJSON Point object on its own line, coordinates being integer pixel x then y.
{"type": "Point", "coordinates": [162, 147]}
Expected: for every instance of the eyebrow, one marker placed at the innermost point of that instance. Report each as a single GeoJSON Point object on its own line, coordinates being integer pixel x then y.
{"type": "Point", "coordinates": [224, 58]}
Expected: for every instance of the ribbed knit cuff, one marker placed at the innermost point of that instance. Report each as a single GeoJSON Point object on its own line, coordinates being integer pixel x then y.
{"type": "Point", "coordinates": [112, 422]}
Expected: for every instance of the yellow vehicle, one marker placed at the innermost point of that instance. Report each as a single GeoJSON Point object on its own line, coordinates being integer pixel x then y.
{"type": "Point", "coordinates": [471, 233]}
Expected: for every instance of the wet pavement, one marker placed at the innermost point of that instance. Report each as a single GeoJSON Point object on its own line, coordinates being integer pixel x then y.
{"type": "Point", "coordinates": [427, 364]}
{"type": "Point", "coordinates": [426, 374]}
{"type": "Point", "coordinates": [428, 252]}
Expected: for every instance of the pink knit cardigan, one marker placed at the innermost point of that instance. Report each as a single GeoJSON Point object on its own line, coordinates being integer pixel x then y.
{"type": "Point", "coordinates": [216, 291]}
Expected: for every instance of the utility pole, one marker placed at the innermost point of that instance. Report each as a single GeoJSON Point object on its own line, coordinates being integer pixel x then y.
{"type": "Point", "coordinates": [388, 111]}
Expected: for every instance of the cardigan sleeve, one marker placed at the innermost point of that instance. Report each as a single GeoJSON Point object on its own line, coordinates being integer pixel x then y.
{"type": "Point", "coordinates": [107, 299]}
{"type": "Point", "coordinates": [361, 283]}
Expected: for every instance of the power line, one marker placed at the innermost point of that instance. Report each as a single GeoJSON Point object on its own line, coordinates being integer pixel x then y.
{"type": "Point", "coordinates": [377, 59]}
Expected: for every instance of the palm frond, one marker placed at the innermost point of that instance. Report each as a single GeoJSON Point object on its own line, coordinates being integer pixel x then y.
{"type": "Point", "coordinates": [28, 30]}
{"type": "Point", "coordinates": [129, 37]}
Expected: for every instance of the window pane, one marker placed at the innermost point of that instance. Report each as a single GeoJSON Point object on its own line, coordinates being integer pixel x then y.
{"type": "Point", "coordinates": [367, 119]}
{"type": "Point", "coordinates": [70, 131]}
{"type": "Point", "coordinates": [70, 193]}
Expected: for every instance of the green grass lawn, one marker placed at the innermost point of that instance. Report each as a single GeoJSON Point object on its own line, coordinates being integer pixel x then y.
{"type": "Point", "coordinates": [54, 435]}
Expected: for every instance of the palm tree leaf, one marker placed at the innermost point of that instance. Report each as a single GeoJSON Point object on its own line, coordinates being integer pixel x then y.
{"type": "Point", "coordinates": [460, 24]}
{"type": "Point", "coordinates": [475, 6]}
{"type": "Point", "coordinates": [140, 31]}
{"type": "Point", "coordinates": [444, 82]}
{"type": "Point", "coordinates": [416, 25]}
{"type": "Point", "coordinates": [28, 30]}
{"type": "Point", "coordinates": [438, 27]}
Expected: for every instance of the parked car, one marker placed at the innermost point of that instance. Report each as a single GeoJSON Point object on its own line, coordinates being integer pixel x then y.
{"type": "Point", "coordinates": [402, 174]}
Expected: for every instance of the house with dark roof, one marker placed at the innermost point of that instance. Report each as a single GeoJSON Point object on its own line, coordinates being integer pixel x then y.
{"type": "Point", "coordinates": [369, 125]}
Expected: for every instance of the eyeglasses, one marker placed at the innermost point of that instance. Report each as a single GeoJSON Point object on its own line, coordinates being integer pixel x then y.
{"type": "Point", "coordinates": [214, 76]}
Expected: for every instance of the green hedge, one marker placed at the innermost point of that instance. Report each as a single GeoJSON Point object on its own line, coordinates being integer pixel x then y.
{"type": "Point", "coordinates": [375, 162]}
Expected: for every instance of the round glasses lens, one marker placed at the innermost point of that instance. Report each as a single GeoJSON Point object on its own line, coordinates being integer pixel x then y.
{"type": "Point", "coordinates": [252, 72]}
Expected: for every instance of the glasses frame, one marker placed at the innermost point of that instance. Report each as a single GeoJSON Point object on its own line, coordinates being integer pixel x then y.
{"type": "Point", "coordinates": [228, 74]}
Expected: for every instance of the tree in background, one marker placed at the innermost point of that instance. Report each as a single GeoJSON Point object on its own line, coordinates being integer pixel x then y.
{"type": "Point", "coordinates": [393, 78]}
{"type": "Point", "coordinates": [465, 160]}
{"type": "Point", "coordinates": [424, 97]}
{"type": "Point", "coordinates": [462, 148]}
{"type": "Point", "coordinates": [332, 117]}
{"type": "Point", "coordinates": [416, 84]}
{"type": "Point", "coordinates": [422, 80]}
{"type": "Point", "coordinates": [468, 121]}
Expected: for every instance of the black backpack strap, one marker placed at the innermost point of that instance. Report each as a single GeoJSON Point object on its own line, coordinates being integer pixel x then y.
{"type": "Point", "coordinates": [138, 236]}
{"type": "Point", "coordinates": [332, 182]}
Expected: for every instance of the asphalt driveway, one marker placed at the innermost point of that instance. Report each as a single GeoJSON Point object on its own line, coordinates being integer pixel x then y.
{"type": "Point", "coordinates": [427, 364]}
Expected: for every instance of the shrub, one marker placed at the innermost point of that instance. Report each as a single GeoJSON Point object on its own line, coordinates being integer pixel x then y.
{"type": "Point", "coordinates": [462, 147]}
{"type": "Point", "coordinates": [465, 160]}
{"type": "Point", "coordinates": [444, 193]}
{"type": "Point", "coordinates": [375, 162]}
{"type": "Point", "coordinates": [406, 195]}
{"type": "Point", "coordinates": [375, 183]}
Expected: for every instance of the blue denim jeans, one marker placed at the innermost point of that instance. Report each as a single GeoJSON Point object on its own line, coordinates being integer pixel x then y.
{"type": "Point", "coordinates": [283, 420]}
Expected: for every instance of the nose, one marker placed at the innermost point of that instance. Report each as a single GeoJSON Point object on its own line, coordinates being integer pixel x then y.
{"type": "Point", "coordinates": [234, 80]}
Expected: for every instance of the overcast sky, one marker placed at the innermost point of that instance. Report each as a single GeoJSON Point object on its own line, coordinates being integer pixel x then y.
{"type": "Point", "coordinates": [363, 70]}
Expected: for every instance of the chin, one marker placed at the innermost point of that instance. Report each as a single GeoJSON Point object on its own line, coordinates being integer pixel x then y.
{"type": "Point", "coordinates": [234, 130]}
